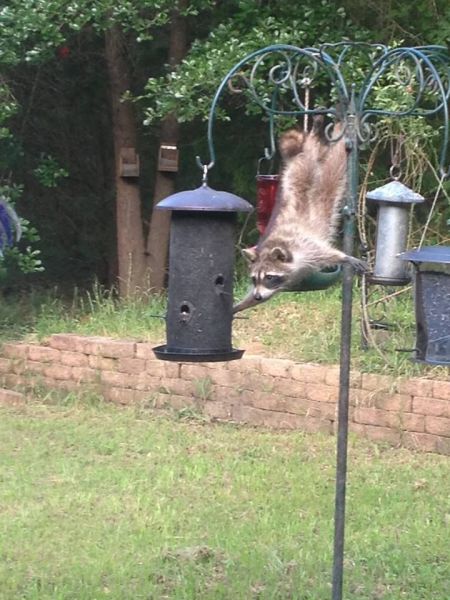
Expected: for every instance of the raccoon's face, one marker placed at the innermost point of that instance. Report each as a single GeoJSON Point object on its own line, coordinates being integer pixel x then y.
{"type": "Point", "coordinates": [270, 271]}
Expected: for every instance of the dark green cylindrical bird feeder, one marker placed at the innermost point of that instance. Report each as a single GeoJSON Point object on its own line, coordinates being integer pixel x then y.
{"type": "Point", "coordinates": [432, 303]}
{"type": "Point", "coordinates": [394, 201]}
{"type": "Point", "coordinates": [201, 265]}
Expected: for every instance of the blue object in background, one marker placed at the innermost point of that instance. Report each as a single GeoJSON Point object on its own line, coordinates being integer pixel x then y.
{"type": "Point", "coordinates": [10, 229]}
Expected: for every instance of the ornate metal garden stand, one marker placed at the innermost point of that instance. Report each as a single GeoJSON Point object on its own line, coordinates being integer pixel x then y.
{"type": "Point", "coordinates": [345, 80]}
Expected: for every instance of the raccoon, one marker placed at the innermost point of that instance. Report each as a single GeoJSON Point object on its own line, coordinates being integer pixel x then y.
{"type": "Point", "coordinates": [298, 238]}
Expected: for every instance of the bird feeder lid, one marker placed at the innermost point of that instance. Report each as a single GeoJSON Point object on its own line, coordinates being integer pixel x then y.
{"type": "Point", "coordinates": [429, 254]}
{"type": "Point", "coordinates": [395, 192]}
{"type": "Point", "coordinates": [205, 198]}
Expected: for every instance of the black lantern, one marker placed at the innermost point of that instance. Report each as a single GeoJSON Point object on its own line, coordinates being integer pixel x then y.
{"type": "Point", "coordinates": [201, 264]}
{"type": "Point", "coordinates": [394, 201]}
{"type": "Point", "coordinates": [432, 303]}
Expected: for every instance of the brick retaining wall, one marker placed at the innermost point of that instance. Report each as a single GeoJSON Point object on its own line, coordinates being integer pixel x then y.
{"type": "Point", "coordinates": [279, 393]}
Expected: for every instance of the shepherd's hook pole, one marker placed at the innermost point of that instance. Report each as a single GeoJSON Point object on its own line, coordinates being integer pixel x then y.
{"type": "Point", "coordinates": [345, 355]}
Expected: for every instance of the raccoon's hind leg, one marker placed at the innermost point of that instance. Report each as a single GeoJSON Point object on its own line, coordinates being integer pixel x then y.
{"type": "Point", "coordinates": [291, 143]}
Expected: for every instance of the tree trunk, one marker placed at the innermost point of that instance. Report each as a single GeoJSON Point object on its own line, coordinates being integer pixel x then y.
{"type": "Point", "coordinates": [130, 236]}
{"type": "Point", "coordinates": [158, 238]}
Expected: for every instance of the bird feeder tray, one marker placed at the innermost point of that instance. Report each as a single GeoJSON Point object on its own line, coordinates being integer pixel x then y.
{"type": "Point", "coordinates": [201, 261]}
{"type": "Point", "coordinates": [432, 303]}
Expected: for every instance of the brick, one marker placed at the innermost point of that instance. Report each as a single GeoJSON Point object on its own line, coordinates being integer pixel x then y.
{"type": "Point", "coordinates": [101, 363]}
{"type": "Point", "coordinates": [432, 407]}
{"type": "Point", "coordinates": [32, 366]}
{"type": "Point", "coordinates": [393, 402]}
{"type": "Point", "coordinates": [85, 375]}
{"type": "Point", "coordinates": [424, 442]}
{"type": "Point", "coordinates": [276, 367]}
{"type": "Point", "coordinates": [264, 400]}
{"type": "Point", "coordinates": [146, 382]}
{"type": "Point", "coordinates": [131, 365]}
{"type": "Point", "coordinates": [438, 426]}
{"type": "Point", "coordinates": [15, 350]}
{"type": "Point", "coordinates": [44, 354]}
{"type": "Point", "coordinates": [173, 401]}
{"type": "Point", "coordinates": [245, 364]}
{"type": "Point", "coordinates": [321, 393]}
{"type": "Point", "coordinates": [171, 369]}
{"type": "Point", "coordinates": [145, 350]}
{"type": "Point", "coordinates": [18, 365]}
{"type": "Point", "coordinates": [362, 398]}
{"type": "Point", "coordinates": [193, 371]}
{"type": "Point", "coordinates": [124, 396]}
{"type": "Point", "coordinates": [332, 376]}
{"type": "Point", "coordinates": [415, 387]}
{"type": "Point", "coordinates": [372, 416]}
{"type": "Point", "coordinates": [111, 348]}
{"type": "Point", "coordinates": [73, 359]}
{"type": "Point", "coordinates": [396, 421]}
{"type": "Point", "coordinates": [441, 389]}
{"type": "Point", "coordinates": [443, 445]}
{"type": "Point", "coordinates": [373, 382]}
{"type": "Point", "coordinates": [227, 395]}
{"type": "Point", "coordinates": [69, 342]}
{"type": "Point", "coordinates": [63, 384]}
{"type": "Point", "coordinates": [178, 387]}
{"type": "Point", "coordinates": [358, 428]}
{"type": "Point", "coordinates": [116, 379]}
{"type": "Point", "coordinates": [224, 377]}
{"type": "Point", "coordinates": [10, 397]}
{"type": "Point", "coordinates": [218, 410]}
{"type": "Point", "coordinates": [11, 380]}
{"type": "Point", "coordinates": [5, 365]}
{"type": "Point", "coordinates": [309, 408]}
{"type": "Point", "coordinates": [58, 372]}
{"type": "Point", "coordinates": [279, 420]}
{"type": "Point", "coordinates": [288, 387]}
{"type": "Point", "coordinates": [309, 373]}
{"type": "Point", "coordinates": [382, 434]}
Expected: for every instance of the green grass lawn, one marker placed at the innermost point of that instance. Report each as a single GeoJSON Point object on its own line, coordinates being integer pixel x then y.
{"type": "Point", "coordinates": [98, 502]}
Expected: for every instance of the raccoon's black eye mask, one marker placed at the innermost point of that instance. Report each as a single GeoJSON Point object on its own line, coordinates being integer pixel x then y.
{"type": "Point", "coordinates": [273, 281]}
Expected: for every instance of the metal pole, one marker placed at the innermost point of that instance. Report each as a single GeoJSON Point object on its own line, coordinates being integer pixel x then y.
{"type": "Point", "coordinates": [345, 355]}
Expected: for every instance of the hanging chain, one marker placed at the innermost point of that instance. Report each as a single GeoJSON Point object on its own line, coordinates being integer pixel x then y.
{"type": "Point", "coordinates": [396, 157]}
{"type": "Point", "coordinates": [306, 82]}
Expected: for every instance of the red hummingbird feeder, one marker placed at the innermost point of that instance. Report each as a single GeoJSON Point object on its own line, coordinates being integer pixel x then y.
{"type": "Point", "coordinates": [266, 192]}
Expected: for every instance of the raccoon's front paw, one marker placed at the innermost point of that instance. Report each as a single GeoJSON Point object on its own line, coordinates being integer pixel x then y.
{"type": "Point", "coordinates": [359, 266]}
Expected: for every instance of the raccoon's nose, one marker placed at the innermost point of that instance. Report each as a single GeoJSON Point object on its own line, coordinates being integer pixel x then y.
{"type": "Point", "coordinates": [257, 296]}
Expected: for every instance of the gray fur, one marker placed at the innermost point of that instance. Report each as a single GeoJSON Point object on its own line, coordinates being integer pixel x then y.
{"type": "Point", "coordinates": [299, 236]}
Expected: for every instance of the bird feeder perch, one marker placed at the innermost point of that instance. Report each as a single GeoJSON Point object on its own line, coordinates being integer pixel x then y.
{"type": "Point", "coordinates": [432, 303]}
{"type": "Point", "coordinates": [394, 202]}
{"type": "Point", "coordinates": [201, 263]}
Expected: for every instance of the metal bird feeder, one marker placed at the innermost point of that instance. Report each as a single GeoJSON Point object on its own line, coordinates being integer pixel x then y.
{"type": "Point", "coordinates": [394, 201]}
{"type": "Point", "coordinates": [432, 303]}
{"type": "Point", "coordinates": [201, 262]}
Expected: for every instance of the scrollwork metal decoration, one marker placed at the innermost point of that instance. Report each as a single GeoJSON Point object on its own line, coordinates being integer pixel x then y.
{"type": "Point", "coordinates": [347, 75]}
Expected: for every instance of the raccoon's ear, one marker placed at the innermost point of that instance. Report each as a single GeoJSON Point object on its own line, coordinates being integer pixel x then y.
{"type": "Point", "coordinates": [250, 254]}
{"type": "Point", "coordinates": [281, 254]}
